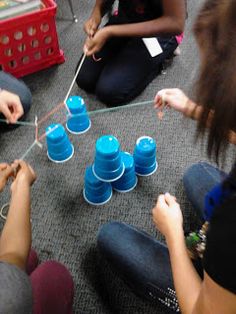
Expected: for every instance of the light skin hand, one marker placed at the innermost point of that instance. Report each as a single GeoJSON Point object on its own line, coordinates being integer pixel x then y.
{"type": "Point", "coordinates": [10, 106]}
{"type": "Point", "coordinates": [24, 174]}
{"type": "Point", "coordinates": [172, 98]}
{"type": "Point", "coordinates": [167, 216]}
{"type": "Point", "coordinates": [6, 171]}
{"type": "Point", "coordinates": [95, 43]}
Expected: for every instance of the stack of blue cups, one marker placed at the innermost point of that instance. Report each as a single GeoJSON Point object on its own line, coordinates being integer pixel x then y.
{"type": "Point", "coordinates": [96, 192]}
{"type": "Point", "coordinates": [129, 180]}
{"type": "Point", "coordinates": [115, 169]}
{"type": "Point", "coordinates": [78, 121]}
{"type": "Point", "coordinates": [59, 146]}
{"type": "Point", "coordinates": [108, 165]}
{"type": "Point", "coordinates": [145, 156]}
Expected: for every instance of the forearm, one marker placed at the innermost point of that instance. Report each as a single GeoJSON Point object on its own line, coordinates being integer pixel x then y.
{"type": "Point", "coordinates": [163, 26]}
{"type": "Point", "coordinates": [186, 280]}
{"type": "Point", "coordinates": [99, 7]}
{"type": "Point", "coordinates": [15, 241]}
{"type": "Point", "coordinates": [194, 112]}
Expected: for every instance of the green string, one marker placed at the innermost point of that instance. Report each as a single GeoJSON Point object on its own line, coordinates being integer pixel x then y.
{"type": "Point", "coordinates": [128, 106]}
{"type": "Point", "coordinates": [18, 122]}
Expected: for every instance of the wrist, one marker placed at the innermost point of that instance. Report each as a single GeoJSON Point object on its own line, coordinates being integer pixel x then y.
{"type": "Point", "coordinates": [110, 31]}
{"type": "Point", "coordinates": [175, 236]}
{"type": "Point", "coordinates": [20, 183]}
{"type": "Point", "coordinates": [97, 13]}
{"type": "Point", "coordinates": [189, 108]}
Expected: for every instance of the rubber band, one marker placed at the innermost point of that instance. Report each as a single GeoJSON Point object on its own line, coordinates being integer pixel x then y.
{"type": "Point", "coordinates": [96, 59]}
{"type": "Point", "coordinates": [2, 215]}
{"type": "Point", "coordinates": [55, 109]}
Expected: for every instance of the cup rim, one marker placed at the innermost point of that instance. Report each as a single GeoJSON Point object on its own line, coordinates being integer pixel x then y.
{"type": "Point", "coordinates": [79, 132]}
{"type": "Point", "coordinates": [129, 190]}
{"type": "Point", "coordinates": [96, 204]}
{"type": "Point", "coordinates": [109, 180]}
{"type": "Point", "coordinates": [64, 160]}
{"type": "Point", "coordinates": [148, 174]}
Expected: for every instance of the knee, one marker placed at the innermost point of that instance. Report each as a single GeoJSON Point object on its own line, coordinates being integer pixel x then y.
{"type": "Point", "coordinates": [57, 273]}
{"type": "Point", "coordinates": [192, 173]}
{"type": "Point", "coordinates": [25, 97]}
{"type": "Point", "coordinates": [85, 82]}
{"type": "Point", "coordinates": [108, 235]}
{"type": "Point", "coordinates": [18, 87]}
{"type": "Point", "coordinates": [108, 93]}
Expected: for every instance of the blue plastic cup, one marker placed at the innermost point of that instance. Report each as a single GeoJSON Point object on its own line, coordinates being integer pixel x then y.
{"type": "Point", "coordinates": [145, 156]}
{"type": "Point", "coordinates": [78, 121]}
{"type": "Point", "coordinates": [59, 147]}
{"type": "Point", "coordinates": [129, 180]}
{"type": "Point", "coordinates": [96, 192]}
{"type": "Point", "coordinates": [108, 165]}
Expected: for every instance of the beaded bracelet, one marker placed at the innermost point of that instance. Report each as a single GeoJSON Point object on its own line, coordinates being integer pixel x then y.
{"type": "Point", "coordinates": [196, 242]}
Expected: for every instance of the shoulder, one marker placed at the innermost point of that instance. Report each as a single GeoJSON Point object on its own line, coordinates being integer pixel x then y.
{"type": "Point", "coordinates": [15, 290]}
{"type": "Point", "coordinates": [220, 255]}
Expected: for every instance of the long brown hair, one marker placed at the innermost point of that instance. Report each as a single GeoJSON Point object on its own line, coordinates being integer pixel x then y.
{"type": "Point", "coordinates": [215, 31]}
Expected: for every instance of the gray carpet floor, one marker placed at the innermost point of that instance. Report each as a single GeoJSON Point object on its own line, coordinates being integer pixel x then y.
{"type": "Point", "coordinates": [64, 225]}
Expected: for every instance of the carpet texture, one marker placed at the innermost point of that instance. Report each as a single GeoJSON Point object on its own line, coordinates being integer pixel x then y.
{"type": "Point", "coordinates": [64, 226]}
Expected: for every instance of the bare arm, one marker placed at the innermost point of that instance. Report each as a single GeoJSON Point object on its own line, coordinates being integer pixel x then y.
{"type": "Point", "coordinates": [93, 22]}
{"type": "Point", "coordinates": [176, 99]}
{"type": "Point", "coordinates": [168, 219]}
{"type": "Point", "coordinates": [214, 299]}
{"type": "Point", "coordinates": [194, 296]}
{"type": "Point", "coordinates": [170, 23]}
{"type": "Point", "coordinates": [15, 240]}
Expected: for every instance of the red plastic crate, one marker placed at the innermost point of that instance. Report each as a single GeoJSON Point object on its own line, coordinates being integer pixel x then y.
{"type": "Point", "coordinates": [29, 43]}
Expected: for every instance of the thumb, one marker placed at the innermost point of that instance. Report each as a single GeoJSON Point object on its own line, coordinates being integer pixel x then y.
{"type": "Point", "coordinates": [161, 201]}
{"type": "Point", "coordinates": [170, 200]}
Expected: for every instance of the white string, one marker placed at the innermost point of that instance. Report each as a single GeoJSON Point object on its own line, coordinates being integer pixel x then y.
{"type": "Point", "coordinates": [29, 150]}
{"type": "Point", "coordinates": [73, 82]}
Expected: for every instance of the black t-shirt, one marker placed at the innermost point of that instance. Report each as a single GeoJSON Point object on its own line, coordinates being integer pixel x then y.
{"type": "Point", "coordinates": [220, 255]}
{"type": "Point", "coordinates": [140, 10]}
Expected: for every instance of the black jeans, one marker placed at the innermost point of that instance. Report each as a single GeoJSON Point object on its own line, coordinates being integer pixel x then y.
{"type": "Point", "coordinates": [125, 70]}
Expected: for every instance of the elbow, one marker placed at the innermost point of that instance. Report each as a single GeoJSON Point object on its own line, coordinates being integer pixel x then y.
{"type": "Point", "coordinates": [178, 27]}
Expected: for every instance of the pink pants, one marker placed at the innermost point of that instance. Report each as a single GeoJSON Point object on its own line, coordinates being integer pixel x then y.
{"type": "Point", "coordinates": [52, 286]}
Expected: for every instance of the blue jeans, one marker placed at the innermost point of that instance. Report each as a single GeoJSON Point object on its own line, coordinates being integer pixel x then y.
{"type": "Point", "coordinates": [11, 84]}
{"type": "Point", "coordinates": [125, 69]}
{"type": "Point", "coordinates": [141, 260]}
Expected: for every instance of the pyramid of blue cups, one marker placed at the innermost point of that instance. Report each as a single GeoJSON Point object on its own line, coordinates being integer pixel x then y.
{"type": "Point", "coordinates": [113, 168]}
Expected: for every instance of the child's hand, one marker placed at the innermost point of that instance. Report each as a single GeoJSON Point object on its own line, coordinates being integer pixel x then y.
{"type": "Point", "coordinates": [10, 106]}
{"type": "Point", "coordinates": [167, 215]}
{"type": "Point", "coordinates": [95, 43]}
{"type": "Point", "coordinates": [173, 98]}
{"type": "Point", "coordinates": [6, 171]}
{"type": "Point", "coordinates": [24, 174]}
{"type": "Point", "coordinates": [91, 25]}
